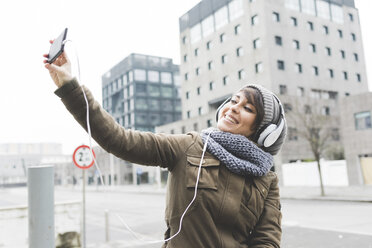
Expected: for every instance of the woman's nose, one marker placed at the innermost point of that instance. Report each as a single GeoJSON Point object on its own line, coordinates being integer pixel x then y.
{"type": "Point", "coordinates": [235, 108]}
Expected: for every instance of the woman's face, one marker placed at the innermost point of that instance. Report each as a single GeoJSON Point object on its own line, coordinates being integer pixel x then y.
{"type": "Point", "coordinates": [237, 116]}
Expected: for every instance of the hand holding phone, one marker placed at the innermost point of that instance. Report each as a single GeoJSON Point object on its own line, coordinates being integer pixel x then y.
{"type": "Point", "coordinates": [57, 62]}
{"type": "Point", "coordinates": [57, 47]}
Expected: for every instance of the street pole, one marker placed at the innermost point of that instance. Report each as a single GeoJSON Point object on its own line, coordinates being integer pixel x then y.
{"type": "Point", "coordinates": [40, 183]}
{"type": "Point", "coordinates": [84, 226]}
{"type": "Point", "coordinates": [107, 225]}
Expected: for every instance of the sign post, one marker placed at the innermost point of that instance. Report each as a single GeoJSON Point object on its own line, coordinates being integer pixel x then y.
{"type": "Point", "coordinates": [83, 159]}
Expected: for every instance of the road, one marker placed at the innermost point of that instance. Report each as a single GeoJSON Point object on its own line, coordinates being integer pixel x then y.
{"type": "Point", "coordinates": [305, 223]}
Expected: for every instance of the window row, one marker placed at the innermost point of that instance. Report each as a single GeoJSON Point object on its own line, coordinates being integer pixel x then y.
{"type": "Point", "coordinates": [314, 93]}
{"type": "Point", "coordinates": [313, 48]}
{"type": "Point", "coordinates": [215, 21]}
{"type": "Point", "coordinates": [310, 26]}
{"type": "Point", "coordinates": [320, 8]}
{"type": "Point", "coordinates": [315, 71]}
{"type": "Point", "coordinates": [210, 44]}
{"type": "Point", "coordinates": [138, 75]}
{"type": "Point", "coordinates": [293, 133]}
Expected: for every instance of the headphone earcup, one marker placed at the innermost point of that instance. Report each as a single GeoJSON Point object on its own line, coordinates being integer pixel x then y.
{"type": "Point", "coordinates": [266, 132]}
{"type": "Point", "coordinates": [271, 134]}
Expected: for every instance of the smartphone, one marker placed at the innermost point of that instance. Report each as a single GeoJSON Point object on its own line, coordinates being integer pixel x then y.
{"type": "Point", "coordinates": [57, 47]}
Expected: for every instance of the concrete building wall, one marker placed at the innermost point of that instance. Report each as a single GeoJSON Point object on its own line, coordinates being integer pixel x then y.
{"type": "Point", "coordinates": [357, 142]}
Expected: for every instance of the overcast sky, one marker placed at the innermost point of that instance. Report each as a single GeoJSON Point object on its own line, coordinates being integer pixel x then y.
{"type": "Point", "coordinates": [103, 33]}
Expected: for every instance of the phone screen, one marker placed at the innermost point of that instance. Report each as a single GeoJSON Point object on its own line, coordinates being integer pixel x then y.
{"type": "Point", "coordinates": [56, 48]}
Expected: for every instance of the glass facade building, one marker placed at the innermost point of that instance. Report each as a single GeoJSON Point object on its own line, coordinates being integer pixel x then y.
{"type": "Point", "coordinates": [142, 92]}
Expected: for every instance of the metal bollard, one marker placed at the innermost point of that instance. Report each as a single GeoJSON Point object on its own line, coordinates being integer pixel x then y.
{"type": "Point", "coordinates": [107, 225]}
{"type": "Point", "coordinates": [40, 183]}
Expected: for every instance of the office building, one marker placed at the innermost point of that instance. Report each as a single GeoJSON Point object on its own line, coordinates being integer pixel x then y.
{"type": "Point", "coordinates": [300, 49]}
{"type": "Point", "coordinates": [140, 92]}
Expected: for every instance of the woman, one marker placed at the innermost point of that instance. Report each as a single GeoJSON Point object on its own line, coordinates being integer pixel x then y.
{"type": "Point", "coordinates": [237, 202]}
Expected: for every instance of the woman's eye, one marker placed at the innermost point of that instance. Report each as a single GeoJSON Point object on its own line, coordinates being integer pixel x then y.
{"type": "Point", "coordinates": [233, 101]}
{"type": "Point", "coordinates": [248, 109]}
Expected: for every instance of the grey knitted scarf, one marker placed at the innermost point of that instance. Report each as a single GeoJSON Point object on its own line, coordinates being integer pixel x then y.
{"type": "Point", "coordinates": [237, 153]}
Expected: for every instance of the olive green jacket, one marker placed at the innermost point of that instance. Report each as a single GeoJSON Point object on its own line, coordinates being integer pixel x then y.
{"type": "Point", "coordinates": [230, 211]}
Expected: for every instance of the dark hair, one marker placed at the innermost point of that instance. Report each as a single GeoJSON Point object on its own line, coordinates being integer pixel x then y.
{"type": "Point", "coordinates": [254, 97]}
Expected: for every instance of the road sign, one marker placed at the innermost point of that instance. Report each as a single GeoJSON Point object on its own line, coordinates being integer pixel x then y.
{"type": "Point", "coordinates": [82, 157]}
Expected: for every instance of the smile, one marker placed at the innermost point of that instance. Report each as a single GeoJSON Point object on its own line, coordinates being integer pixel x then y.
{"type": "Point", "coordinates": [230, 119]}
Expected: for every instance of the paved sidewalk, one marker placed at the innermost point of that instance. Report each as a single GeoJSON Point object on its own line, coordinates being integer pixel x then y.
{"type": "Point", "coordinates": [341, 193]}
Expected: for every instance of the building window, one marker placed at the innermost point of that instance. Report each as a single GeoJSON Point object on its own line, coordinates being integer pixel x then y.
{"type": "Point", "coordinates": [166, 77]}
{"type": "Point", "coordinates": [340, 34]}
{"type": "Point", "coordinates": [237, 29]}
{"type": "Point", "coordinates": [185, 58]}
{"type": "Point", "coordinates": [222, 38]}
{"type": "Point", "coordinates": [325, 29]}
{"type": "Point", "coordinates": [278, 40]}
{"type": "Point", "coordinates": [323, 9]}
{"type": "Point", "coordinates": [292, 4]}
{"type": "Point", "coordinates": [200, 110]}
{"type": "Point", "coordinates": [241, 74]}
{"type": "Point", "coordinates": [186, 76]}
{"type": "Point", "coordinates": [188, 114]}
{"type": "Point", "coordinates": [353, 37]}
{"type": "Point", "coordinates": [363, 120]}
{"type": "Point", "coordinates": [298, 68]}
{"type": "Point", "coordinates": [198, 91]}
{"type": "Point", "coordinates": [312, 48]}
{"type": "Point", "coordinates": [325, 110]}
{"type": "Point", "coordinates": [356, 57]}
{"type": "Point", "coordinates": [280, 64]}
{"type": "Point", "coordinates": [184, 40]}
{"type": "Point", "coordinates": [328, 51]}
{"type": "Point", "coordinates": [210, 65]}
{"type": "Point", "coordinates": [359, 78]}
{"type": "Point", "coordinates": [153, 76]}
{"type": "Point", "coordinates": [258, 67]}
{"type": "Point", "coordinates": [307, 109]}
{"type": "Point", "coordinates": [225, 80]}
{"type": "Point", "coordinates": [276, 17]}
{"type": "Point", "coordinates": [254, 20]}
{"type": "Point", "coordinates": [351, 17]}
{"type": "Point", "coordinates": [187, 95]}
{"type": "Point", "coordinates": [300, 91]}
{"type": "Point", "coordinates": [183, 129]}
{"type": "Point", "coordinates": [331, 75]}
{"type": "Point", "coordinates": [139, 75]}
{"type": "Point", "coordinates": [209, 45]}
{"type": "Point", "coordinates": [209, 123]}
{"type": "Point", "coordinates": [211, 85]}
{"type": "Point", "coordinates": [293, 21]}
{"type": "Point", "coordinates": [308, 7]}
{"type": "Point", "coordinates": [283, 89]}
{"type": "Point", "coordinates": [342, 52]}
{"type": "Point", "coordinates": [345, 75]}
{"type": "Point", "coordinates": [239, 52]}
{"type": "Point", "coordinates": [224, 59]}
{"type": "Point", "coordinates": [196, 52]}
{"type": "Point", "coordinates": [197, 71]}
{"type": "Point", "coordinates": [296, 44]}
{"type": "Point", "coordinates": [335, 134]}
{"type": "Point", "coordinates": [310, 26]}
{"type": "Point", "coordinates": [195, 126]}
{"type": "Point", "coordinates": [292, 133]}
{"type": "Point", "coordinates": [207, 26]}
{"type": "Point", "coordinates": [256, 43]}
{"type": "Point", "coordinates": [221, 17]}
{"type": "Point", "coordinates": [315, 71]}
{"type": "Point", "coordinates": [287, 107]}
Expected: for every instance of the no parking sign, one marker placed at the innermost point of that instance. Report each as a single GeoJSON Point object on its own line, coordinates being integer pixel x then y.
{"type": "Point", "coordinates": [82, 157]}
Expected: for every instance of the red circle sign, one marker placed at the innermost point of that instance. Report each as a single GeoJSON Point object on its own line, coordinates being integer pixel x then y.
{"type": "Point", "coordinates": [82, 157]}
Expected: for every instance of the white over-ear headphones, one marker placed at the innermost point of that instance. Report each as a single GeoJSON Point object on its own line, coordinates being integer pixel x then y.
{"type": "Point", "coordinates": [271, 132]}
